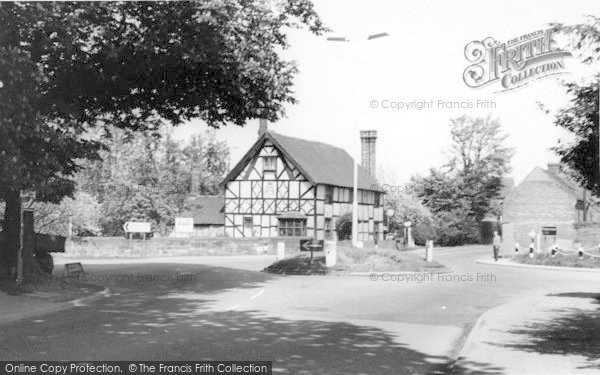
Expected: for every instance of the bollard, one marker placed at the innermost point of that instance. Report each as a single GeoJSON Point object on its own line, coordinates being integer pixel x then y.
{"type": "Point", "coordinates": [553, 252]}
{"type": "Point", "coordinates": [516, 248]}
{"type": "Point", "coordinates": [580, 252]}
{"type": "Point", "coordinates": [429, 251]}
{"type": "Point", "coordinates": [280, 250]}
{"type": "Point", "coordinates": [531, 250]}
{"type": "Point", "coordinates": [330, 253]}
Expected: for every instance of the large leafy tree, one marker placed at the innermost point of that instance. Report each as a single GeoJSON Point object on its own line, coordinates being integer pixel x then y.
{"type": "Point", "coordinates": [580, 157]}
{"type": "Point", "coordinates": [147, 178]}
{"type": "Point", "coordinates": [479, 160]}
{"type": "Point", "coordinates": [463, 191]}
{"type": "Point", "coordinates": [67, 67]}
{"type": "Point", "coordinates": [581, 119]}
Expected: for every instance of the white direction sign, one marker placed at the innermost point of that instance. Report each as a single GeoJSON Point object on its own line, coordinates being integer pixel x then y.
{"type": "Point", "coordinates": [137, 227]}
{"type": "Point", "coordinates": [184, 224]}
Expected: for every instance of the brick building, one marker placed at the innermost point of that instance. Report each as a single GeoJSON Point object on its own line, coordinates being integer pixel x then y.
{"type": "Point", "coordinates": [546, 197]}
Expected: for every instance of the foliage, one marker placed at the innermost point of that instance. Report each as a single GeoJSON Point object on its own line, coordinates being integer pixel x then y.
{"type": "Point", "coordinates": [423, 232]}
{"type": "Point", "coordinates": [68, 67]}
{"type": "Point", "coordinates": [580, 158]}
{"type": "Point", "coordinates": [406, 208]}
{"type": "Point", "coordinates": [462, 192]}
{"type": "Point", "coordinates": [124, 63]}
{"type": "Point", "coordinates": [147, 178]}
{"type": "Point", "coordinates": [38, 154]}
{"type": "Point", "coordinates": [343, 227]}
{"type": "Point", "coordinates": [82, 212]}
{"type": "Point", "coordinates": [581, 119]}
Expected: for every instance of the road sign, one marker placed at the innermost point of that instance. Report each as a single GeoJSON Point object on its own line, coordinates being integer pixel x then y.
{"type": "Point", "coordinates": [73, 270]}
{"type": "Point", "coordinates": [137, 227]}
{"type": "Point", "coordinates": [549, 231]}
{"type": "Point", "coordinates": [184, 224]}
{"type": "Point", "coordinates": [311, 245]}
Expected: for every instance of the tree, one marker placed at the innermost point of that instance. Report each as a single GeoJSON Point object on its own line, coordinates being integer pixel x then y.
{"type": "Point", "coordinates": [37, 155]}
{"type": "Point", "coordinates": [79, 216]}
{"type": "Point", "coordinates": [68, 67]}
{"type": "Point", "coordinates": [147, 178]}
{"type": "Point", "coordinates": [464, 190]}
{"type": "Point", "coordinates": [580, 157]}
{"type": "Point", "coordinates": [479, 160]}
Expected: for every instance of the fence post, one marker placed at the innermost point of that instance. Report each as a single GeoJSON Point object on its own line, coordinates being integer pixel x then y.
{"type": "Point", "coordinates": [429, 251]}
{"type": "Point", "coordinates": [280, 250]}
{"type": "Point", "coordinates": [330, 253]}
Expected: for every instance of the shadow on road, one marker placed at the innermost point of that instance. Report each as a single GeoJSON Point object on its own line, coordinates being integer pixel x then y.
{"type": "Point", "coordinates": [147, 321]}
{"type": "Point", "coordinates": [575, 332]}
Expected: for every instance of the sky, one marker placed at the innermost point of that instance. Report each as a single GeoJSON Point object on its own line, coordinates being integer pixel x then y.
{"type": "Point", "coordinates": [341, 87]}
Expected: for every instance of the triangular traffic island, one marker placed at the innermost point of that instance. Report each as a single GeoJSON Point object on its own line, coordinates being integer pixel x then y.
{"type": "Point", "coordinates": [299, 265]}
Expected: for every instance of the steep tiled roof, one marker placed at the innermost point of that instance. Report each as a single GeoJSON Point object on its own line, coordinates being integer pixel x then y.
{"type": "Point", "coordinates": [205, 209]}
{"type": "Point", "coordinates": [319, 162]}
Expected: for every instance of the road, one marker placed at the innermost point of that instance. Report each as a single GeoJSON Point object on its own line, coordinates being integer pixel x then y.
{"type": "Point", "coordinates": [221, 308]}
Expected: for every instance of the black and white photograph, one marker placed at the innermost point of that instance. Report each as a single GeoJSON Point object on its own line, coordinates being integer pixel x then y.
{"type": "Point", "coordinates": [257, 187]}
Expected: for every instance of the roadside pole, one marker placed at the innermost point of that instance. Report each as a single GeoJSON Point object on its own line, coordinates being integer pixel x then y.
{"type": "Point", "coordinates": [20, 251]}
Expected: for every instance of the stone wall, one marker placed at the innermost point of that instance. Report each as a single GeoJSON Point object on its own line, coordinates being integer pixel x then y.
{"type": "Point", "coordinates": [120, 246]}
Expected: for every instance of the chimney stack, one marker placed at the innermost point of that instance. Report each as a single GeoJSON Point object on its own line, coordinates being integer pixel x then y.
{"type": "Point", "coordinates": [262, 126]}
{"type": "Point", "coordinates": [367, 141]}
{"type": "Point", "coordinates": [554, 168]}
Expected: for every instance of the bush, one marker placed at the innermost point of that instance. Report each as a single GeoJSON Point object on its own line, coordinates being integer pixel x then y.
{"type": "Point", "coordinates": [454, 228]}
{"type": "Point", "coordinates": [422, 232]}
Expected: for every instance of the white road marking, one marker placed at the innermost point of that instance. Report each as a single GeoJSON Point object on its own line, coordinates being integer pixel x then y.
{"type": "Point", "coordinates": [257, 294]}
{"type": "Point", "coordinates": [232, 307]}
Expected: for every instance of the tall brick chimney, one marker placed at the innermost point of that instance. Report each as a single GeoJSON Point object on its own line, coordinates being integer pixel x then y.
{"type": "Point", "coordinates": [263, 126]}
{"type": "Point", "coordinates": [367, 141]}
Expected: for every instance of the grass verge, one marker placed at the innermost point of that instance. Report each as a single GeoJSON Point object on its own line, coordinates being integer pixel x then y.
{"type": "Point", "coordinates": [559, 260]}
{"type": "Point", "coordinates": [354, 260]}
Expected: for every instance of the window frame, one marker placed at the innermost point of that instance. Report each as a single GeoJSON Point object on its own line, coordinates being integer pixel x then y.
{"type": "Point", "coordinates": [289, 227]}
{"type": "Point", "coordinates": [268, 166]}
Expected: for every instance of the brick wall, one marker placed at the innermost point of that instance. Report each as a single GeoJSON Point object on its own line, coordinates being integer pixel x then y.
{"type": "Point", "coordinates": [536, 202]}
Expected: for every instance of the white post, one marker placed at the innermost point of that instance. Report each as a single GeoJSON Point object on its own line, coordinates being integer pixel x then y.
{"type": "Point", "coordinates": [429, 251]}
{"type": "Point", "coordinates": [280, 250]}
{"type": "Point", "coordinates": [330, 253]}
{"type": "Point", "coordinates": [538, 243]}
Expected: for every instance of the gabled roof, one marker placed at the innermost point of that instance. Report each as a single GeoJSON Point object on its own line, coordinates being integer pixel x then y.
{"type": "Point", "coordinates": [508, 183]}
{"type": "Point", "coordinates": [543, 175]}
{"type": "Point", "coordinates": [205, 209]}
{"type": "Point", "coordinates": [319, 162]}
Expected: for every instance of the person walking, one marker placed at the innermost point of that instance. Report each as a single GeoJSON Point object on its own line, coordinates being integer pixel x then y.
{"type": "Point", "coordinates": [496, 240]}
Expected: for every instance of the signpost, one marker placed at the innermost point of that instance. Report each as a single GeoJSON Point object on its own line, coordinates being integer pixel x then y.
{"type": "Point", "coordinates": [311, 245]}
{"type": "Point", "coordinates": [72, 270]}
{"type": "Point", "coordinates": [549, 231]}
{"type": "Point", "coordinates": [137, 227]}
